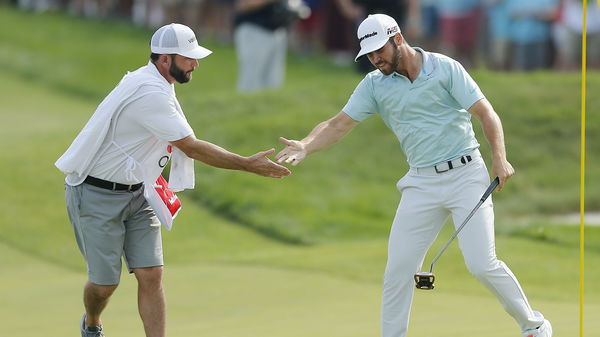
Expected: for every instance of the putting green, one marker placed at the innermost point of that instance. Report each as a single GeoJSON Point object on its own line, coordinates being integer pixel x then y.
{"type": "Point", "coordinates": [227, 300]}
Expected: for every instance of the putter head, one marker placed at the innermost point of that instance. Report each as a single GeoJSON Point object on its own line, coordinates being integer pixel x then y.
{"type": "Point", "coordinates": [424, 281]}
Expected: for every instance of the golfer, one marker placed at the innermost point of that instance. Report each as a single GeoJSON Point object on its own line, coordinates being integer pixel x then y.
{"type": "Point", "coordinates": [427, 100]}
{"type": "Point", "coordinates": [113, 164]}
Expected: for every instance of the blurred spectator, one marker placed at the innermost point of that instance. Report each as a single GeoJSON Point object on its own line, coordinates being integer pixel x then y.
{"type": "Point", "coordinates": [340, 19]}
{"type": "Point", "coordinates": [260, 38]}
{"type": "Point", "coordinates": [498, 32]}
{"type": "Point", "coordinates": [92, 8]}
{"type": "Point", "coordinates": [155, 13]}
{"type": "Point", "coordinates": [38, 5]}
{"type": "Point", "coordinates": [430, 25]}
{"type": "Point", "coordinates": [148, 13]}
{"type": "Point", "coordinates": [518, 34]}
{"type": "Point", "coordinates": [87, 8]}
{"type": "Point", "coordinates": [306, 33]}
{"type": "Point", "coordinates": [530, 33]}
{"type": "Point", "coordinates": [186, 12]}
{"type": "Point", "coordinates": [216, 20]}
{"type": "Point", "coordinates": [567, 35]}
{"type": "Point", "coordinates": [123, 8]}
{"type": "Point", "coordinates": [460, 24]}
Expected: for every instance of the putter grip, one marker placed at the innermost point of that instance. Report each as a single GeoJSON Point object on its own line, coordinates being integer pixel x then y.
{"type": "Point", "coordinates": [490, 189]}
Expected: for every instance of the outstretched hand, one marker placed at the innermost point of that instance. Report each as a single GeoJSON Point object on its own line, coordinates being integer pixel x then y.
{"type": "Point", "coordinates": [261, 164]}
{"type": "Point", "coordinates": [293, 153]}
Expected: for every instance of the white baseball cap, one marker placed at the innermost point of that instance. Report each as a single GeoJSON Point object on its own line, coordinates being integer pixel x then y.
{"type": "Point", "coordinates": [374, 32]}
{"type": "Point", "coordinates": [178, 39]}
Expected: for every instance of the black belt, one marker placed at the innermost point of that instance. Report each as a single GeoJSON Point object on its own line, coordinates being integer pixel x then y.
{"type": "Point", "coordinates": [450, 164]}
{"type": "Point", "coordinates": [109, 185]}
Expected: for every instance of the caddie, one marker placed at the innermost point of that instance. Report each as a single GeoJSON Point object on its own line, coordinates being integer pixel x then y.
{"type": "Point", "coordinates": [112, 168]}
{"type": "Point", "coordinates": [427, 100]}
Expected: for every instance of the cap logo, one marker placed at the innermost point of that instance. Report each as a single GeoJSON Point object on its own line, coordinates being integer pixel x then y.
{"type": "Point", "coordinates": [367, 36]}
{"type": "Point", "coordinates": [392, 30]}
{"type": "Point", "coordinates": [192, 40]}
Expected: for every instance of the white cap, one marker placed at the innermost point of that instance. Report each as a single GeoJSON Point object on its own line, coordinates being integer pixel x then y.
{"type": "Point", "coordinates": [374, 32]}
{"type": "Point", "coordinates": [177, 39]}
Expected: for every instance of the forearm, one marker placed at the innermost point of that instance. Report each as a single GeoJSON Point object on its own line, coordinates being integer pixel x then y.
{"type": "Point", "coordinates": [214, 155]}
{"type": "Point", "coordinates": [492, 128]}
{"type": "Point", "coordinates": [323, 136]}
{"type": "Point", "coordinates": [494, 133]}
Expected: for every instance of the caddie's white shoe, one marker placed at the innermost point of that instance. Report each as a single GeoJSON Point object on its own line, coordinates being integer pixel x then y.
{"type": "Point", "coordinates": [544, 330]}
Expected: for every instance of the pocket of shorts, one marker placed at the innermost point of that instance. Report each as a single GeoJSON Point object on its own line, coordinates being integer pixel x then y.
{"type": "Point", "coordinates": [73, 196]}
{"type": "Point", "coordinates": [81, 190]}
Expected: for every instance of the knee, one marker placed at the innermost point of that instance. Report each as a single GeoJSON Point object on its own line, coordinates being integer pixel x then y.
{"type": "Point", "coordinates": [398, 275]}
{"type": "Point", "coordinates": [149, 278]}
{"type": "Point", "coordinates": [483, 269]}
{"type": "Point", "coordinates": [100, 291]}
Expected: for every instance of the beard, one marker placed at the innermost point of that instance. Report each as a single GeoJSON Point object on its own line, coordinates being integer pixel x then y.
{"type": "Point", "coordinates": [394, 63]}
{"type": "Point", "coordinates": [396, 59]}
{"type": "Point", "coordinates": [179, 74]}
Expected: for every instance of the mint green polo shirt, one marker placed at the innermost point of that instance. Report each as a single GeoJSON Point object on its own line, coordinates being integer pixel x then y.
{"type": "Point", "coordinates": [429, 116]}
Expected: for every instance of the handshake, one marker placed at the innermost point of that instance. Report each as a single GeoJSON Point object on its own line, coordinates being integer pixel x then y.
{"type": "Point", "coordinates": [293, 153]}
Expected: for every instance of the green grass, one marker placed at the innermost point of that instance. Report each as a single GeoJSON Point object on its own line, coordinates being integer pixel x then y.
{"type": "Point", "coordinates": [223, 279]}
{"type": "Point", "coordinates": [225, 300]}
{"type": "Point", "coordinates": [346, 192]}
{"type": "Point", "coordinates": [231, 269]}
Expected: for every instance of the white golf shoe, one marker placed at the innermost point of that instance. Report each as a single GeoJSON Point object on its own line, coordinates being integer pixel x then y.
{"type": "Point", "coordinates": [544, 330]}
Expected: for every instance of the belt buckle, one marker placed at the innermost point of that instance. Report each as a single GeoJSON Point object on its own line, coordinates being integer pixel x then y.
{"type": "Point", "coordinates": [129, 188]}
{"type": "Point", "coordinates": [442, 171]}
{"type": "Point", "coordinates": [114, 186]}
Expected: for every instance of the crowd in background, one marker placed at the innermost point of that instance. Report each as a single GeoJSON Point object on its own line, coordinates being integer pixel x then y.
{"type": "Point", "coordinates": [500, 34]}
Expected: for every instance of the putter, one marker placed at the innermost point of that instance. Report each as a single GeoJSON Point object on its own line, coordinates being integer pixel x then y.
{"type": "Point", "coordinates": [424, 280]}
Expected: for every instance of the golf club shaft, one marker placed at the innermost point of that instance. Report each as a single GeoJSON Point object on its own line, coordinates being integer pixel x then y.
{"type": "Point", "coordinates": [486, 194]}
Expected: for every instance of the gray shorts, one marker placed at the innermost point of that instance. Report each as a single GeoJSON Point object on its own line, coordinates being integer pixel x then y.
{"type": "Point", "coordinates": [109, 225]}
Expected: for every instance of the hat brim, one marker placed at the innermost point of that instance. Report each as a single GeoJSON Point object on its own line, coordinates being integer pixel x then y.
{"type": "Point", "coordinates": [198, 52]}
{"type": "Point", "coordinates": [367, 48]}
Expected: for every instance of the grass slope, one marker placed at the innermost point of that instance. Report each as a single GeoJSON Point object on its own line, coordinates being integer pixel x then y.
{"type": "Point", "coordinates": [346, 192]}
{"type": "Point", "coordinates": [223, 279]}
{"type": "Point", "coordinates": [34, 218]}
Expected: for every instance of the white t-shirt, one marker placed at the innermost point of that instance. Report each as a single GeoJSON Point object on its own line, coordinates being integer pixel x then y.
{"type": "Point", "coordinates": [143, 123]}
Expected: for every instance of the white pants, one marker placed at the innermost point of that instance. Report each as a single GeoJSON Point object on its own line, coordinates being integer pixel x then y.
{"type": "Point", "coordinates": [428, 198]}
{"type": "Point", "coordinates": [261, 56]}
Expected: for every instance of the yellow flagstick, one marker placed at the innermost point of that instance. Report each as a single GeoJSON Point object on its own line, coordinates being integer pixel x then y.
{"type": "Point", "coordinates": [582, 170]}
